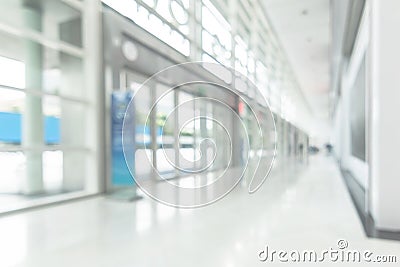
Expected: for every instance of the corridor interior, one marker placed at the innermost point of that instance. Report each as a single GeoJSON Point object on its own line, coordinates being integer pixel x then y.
{"type": "Point", "coordinates": [103, 101]}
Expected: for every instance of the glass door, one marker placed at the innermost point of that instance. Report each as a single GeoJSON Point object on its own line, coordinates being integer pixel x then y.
{"type": "Point", "coordinates": [143, 137]}
{"type": "Point", "coordinates": [164, 105]}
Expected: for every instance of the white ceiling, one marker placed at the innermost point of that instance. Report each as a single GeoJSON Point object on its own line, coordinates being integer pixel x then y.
{"type": "Point", "coordinates": [303, 27]}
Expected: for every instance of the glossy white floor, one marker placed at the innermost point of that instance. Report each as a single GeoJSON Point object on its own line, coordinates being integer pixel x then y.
{"type": "Point", "coordinates": [297, 208]}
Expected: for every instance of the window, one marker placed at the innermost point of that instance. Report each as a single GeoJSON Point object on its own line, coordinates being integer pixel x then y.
{"type": "Point", "coordinates": [167, 20]}
{"type": "Point", "coordinates": [209, 30]}
{"type": "Point", "coordinates": [216, 36]}
{"type": "Point", "coordinates": [45, 110]}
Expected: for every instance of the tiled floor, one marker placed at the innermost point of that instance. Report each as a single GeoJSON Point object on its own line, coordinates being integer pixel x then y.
{"type": "Point", "coordinates": [298, 208]}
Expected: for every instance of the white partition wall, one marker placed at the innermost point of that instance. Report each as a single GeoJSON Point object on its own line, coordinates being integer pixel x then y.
{"type": "Point", "coordinates": [367, 133]}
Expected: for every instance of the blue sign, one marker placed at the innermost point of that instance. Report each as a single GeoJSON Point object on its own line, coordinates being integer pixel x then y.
{"type": "Point", "coordinates": [120, 172]}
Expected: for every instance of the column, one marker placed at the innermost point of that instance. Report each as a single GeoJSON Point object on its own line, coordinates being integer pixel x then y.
{"type": "Point", "coordinates": [32, 123]}
{"type": "Point", "coordinates": [73, 120]}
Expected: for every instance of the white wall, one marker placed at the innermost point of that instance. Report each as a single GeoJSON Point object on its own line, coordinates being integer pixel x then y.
{"type": "Point", "coordinates": [385, 127]}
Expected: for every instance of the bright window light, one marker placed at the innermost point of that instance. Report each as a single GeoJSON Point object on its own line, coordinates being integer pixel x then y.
{"type": "Point", "coordinates": [12, 73]}
{"type": "Point", "coordinates": [173, 12]}
{"type": "Point", "coordinates": [217, 38]}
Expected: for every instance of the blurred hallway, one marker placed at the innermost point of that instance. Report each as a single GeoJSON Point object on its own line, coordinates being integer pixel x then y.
{"type": "Point", "coordinates": [156, 133]}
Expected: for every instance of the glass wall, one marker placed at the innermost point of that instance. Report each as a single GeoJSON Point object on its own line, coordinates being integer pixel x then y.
{"type": "Point", "coordinates": [357, 114]}
{"type": "Point", "coordinates": [173, 134]}
{"type": "Point", "coordinates": [181, 122]}
{"type": "Point", "coordinates": [44, 105]}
